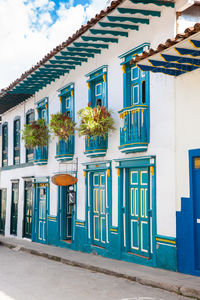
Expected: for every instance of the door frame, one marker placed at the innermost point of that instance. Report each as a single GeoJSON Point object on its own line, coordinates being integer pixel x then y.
{"type": "Point", "coordinates": [3, 189]}
{"type": "Point", "coordinates": [29, 180]}
{"type": "Point", "coordinates": [16, 181]}
{"type": "Point", "coordinates": [36, 182]}
{"type": "Point", "coordinates": [91, 168]}
{"type": "Point", "coordinates": [123, 169]}
{"type": "Point", "coordinates": [192, 154]}
{"type": "Point", "coordinates": [60, 215]}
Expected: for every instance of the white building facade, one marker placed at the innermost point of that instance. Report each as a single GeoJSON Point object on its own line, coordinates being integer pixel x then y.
{"type": "Point", "coordinates": [130, 185]}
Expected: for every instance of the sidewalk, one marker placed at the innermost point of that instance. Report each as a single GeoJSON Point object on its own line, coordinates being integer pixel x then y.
{"type": "Point", "coordinates": [181, 284]}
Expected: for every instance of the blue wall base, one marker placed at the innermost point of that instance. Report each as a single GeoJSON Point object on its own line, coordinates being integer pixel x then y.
{"type": "Point", "coordinates": [166, 257]}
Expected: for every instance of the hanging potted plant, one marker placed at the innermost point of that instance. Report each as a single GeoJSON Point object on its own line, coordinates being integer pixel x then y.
{"type": "Point", "coordinates": [62, 126]}
{"type": "Point", "coordinates": [95, 124]}
{"type": "Point", "coordinates": [35, 134]}
{"type": "Point", "coordinates": [95, 121]}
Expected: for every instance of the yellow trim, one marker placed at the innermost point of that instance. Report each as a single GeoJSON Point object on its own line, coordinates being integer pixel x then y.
{"type": "Point", "coordinates": [123, 69]}
{"type": "Point", "coordinates": [88, 85]}
{"type": "Point", "coordinates": [152, 170]}
{"type": "Point", "coordinates": [93, 150]}
{"type": "Point", "coordinates": [80, 223]}
{"type": "Point", "coordinates": [113, 229]}
{"type": "Point", "coordinates": [133, 144]}
{"type": "Point", "coordinates": [60, 98]}
{"type": "Point", "coordinates": [118, 172]}
{"type": "Point", "coordinates": [33, 185]}
{"type": "Point", "coordinates": [51, 218]}
{"type": "Point", "coordinates": [104, 77]}
{"type": "Point", "coordinates": [108, 172]}
{"type": "Point", "coordinates": [192, 44]}
{"type": "Point", "coordinates": [72, 93]}
{"type": "Point", "coordinates": [166, 241]}
{"type": "Point", "coordinates": [85, 174]}
{"type": "Point", "coordinates": [46, 105]}
{"type": "Point", "coordinates": [163, 58]}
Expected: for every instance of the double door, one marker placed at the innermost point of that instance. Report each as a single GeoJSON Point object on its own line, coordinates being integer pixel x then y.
{"type": "Point", "coordinates": [42, 212]}
{"type": "Point", "coordinates": [2, 210]}
{"type": "Point", "coordinates": [99, 216]}
{"type": "Point", "coordinates": [137, 221]}
{"type": "Point", "coordinates": [196, 199]}
{"type": "Point", "coordinates": [14, 208]}
{"type": "Point", "coordinates": [28, 209]}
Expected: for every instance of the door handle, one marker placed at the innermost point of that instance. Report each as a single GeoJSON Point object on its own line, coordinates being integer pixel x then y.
{"type": "Point", "coordinates": [198, 221]}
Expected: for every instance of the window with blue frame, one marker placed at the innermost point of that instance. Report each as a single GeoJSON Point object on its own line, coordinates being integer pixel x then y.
{"type": "Point", "coordinates": [67, 100]}
{"type": "Point", "coordinates": [30, 117]}
{"type": "Point", "coordinates": [42, 109]}
{"type": "Point", "coordinates": [97, 86]}
{"type": "Point", "coordinates": [5, 144]}
{"type": "Point", "coordinates": [135, 134]}
{"type": "Point", "coordinates": [16, 141]}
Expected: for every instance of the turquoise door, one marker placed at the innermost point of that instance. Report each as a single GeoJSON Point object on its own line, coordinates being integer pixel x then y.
{"type": "Point", "coordinates": [196, 195]}
{"type": "Point", "coordinates": [138, 212]}
{"type": "Point", "coordinates": [14, 208]}
{"type": "Point", "coordinates": [2, 210]}
{"type": "Point", "coordinates": [28, 209]}
{"type": "Point", "coordinates": [42, 213]}
{"type": "Point", "coordinates": [99, 222]}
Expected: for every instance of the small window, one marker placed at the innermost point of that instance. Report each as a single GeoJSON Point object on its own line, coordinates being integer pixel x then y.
{"type": "Point", "coordinates": [98, 89]}
{"type": "Point", "coordinates": [134, 73]}
{"type": "Point", "coordinates": [135, 94]}
{"type": "Point", "coordinates": [67, 103]}
{"type": "Point", "coordinates": [4, 145]}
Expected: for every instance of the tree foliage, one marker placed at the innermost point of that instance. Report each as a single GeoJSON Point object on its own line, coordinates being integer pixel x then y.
{"type": "Point", "coordinates": [95, 121]}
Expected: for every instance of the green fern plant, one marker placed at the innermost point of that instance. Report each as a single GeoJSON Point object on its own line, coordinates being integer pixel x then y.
{"type": "Point", "coordinates": [95, 121]}
{"type": "Point", "coordinates": [62, 126]}
{"type": "Point", "coordinates": [35, 134]}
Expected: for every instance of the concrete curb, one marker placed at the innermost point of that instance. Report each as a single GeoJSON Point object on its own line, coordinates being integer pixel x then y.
{"type": "Point", "coordinates": [180, 290]}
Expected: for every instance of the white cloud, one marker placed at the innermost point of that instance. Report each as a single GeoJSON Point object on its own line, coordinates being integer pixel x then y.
{"type": "Point", "coordinates": [28, 32]}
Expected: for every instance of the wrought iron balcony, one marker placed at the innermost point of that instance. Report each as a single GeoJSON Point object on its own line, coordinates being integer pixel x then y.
{"type": "Point", "coordinates": [65, 149]}
{"type": "Point", "coordinates": [134, 135]}
{"type": "Point", "coordinates": [41, 155]}
{"type": "Point", "coordinates": [96, 146]}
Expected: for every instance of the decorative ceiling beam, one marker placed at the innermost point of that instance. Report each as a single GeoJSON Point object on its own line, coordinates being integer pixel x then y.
{"type": "Point", "coordinates": [119, 25]}
{"type": "Point", "coordinates": [77, 54]}
{"type": "Point", "coordinates": [178, 59]}
{"type": "Point", "coordinates": [128, 19]}
{"type": "Point", "coordinates": [81, 59]}
{"type": "Point", "coordinates": [181, 67]}
{"type": "Point", "coordinates": [59, 66]}
{"type": "Point", "coordinates": [89, 50]}
{"type": "Point", "coordinates": [158, 3]}
{"type": "Point", "coordinates": [183, 51]}
{"type": "Point", "coordinates": [160, 70]}
{"type": "Point", "coordinates": [104, 46]}
{"type": "Point", "coordinates": [99, 38]}
{"type": "Point", "coordinates": [144, 12]}
{"type": "Point", "coordinates": [64, 61]}
{"type": "Point", "coordinates": [53, 71]}
{"type": "Point", "coordinates": [195, 43]}
{"type": "Point", "coordinates": [111, 32]}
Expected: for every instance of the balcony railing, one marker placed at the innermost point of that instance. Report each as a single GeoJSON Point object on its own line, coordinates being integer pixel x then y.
{"type": "Point", "coordinates": [134, 133]}
{"type": "Point", "coordinates": [65, 149]}
{"type": "Point", "coordinates": [96, 146]}
{"type": "Point", "coordinates": [41, 155]}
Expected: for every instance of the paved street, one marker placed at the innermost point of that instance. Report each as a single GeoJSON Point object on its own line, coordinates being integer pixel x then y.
{"type": "Point", "coordinates": [26, 277]}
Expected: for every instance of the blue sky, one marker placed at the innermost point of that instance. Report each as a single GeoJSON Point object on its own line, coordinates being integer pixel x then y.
{"type": "Point", "coordinates": [32, 28]}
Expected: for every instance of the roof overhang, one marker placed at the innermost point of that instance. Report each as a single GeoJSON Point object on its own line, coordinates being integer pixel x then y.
{"type": "Point", "coordinates": [113, 23]}
{"type": "Point", "coordinates": [175, 57]}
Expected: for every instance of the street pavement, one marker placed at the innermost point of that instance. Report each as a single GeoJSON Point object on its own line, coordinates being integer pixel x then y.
{"type": "Point", "coordinates": [24, 276]}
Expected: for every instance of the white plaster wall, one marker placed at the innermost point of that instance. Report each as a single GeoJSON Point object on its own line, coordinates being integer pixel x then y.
{"type": "Point", "coordinates": [187, 128]}
{"type": "Point", "coordinates": [162, 143]}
